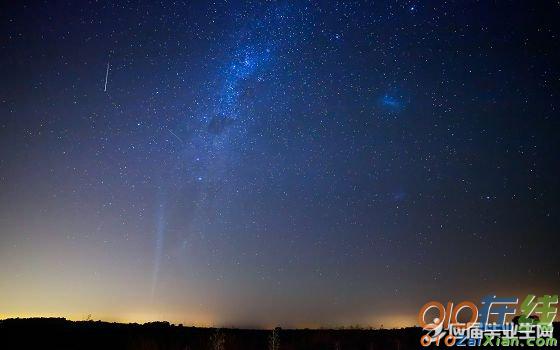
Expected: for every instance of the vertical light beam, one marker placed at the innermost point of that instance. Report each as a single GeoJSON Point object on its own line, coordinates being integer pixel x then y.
{"type": "Point", "coordinates": [160, 235]}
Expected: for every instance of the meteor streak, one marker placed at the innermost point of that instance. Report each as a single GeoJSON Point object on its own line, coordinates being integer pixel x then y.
{"type": "Point", "coordinates": [106, 77]}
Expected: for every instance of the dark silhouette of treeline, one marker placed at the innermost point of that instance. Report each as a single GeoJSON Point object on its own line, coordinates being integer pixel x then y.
{"type": "Point", "coordinates": [61, 334]}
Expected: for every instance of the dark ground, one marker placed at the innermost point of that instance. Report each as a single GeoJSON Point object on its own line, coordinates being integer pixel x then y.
{"type": "Point", "coordinates": [58, 333]}
{"type": "Point", "coordinates": [61, 334]}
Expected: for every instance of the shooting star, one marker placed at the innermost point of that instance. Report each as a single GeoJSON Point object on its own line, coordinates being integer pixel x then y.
{"type": "Point", "coordinates": [106, 77]}
{"type": "Point", "coordinates": [174, 134]}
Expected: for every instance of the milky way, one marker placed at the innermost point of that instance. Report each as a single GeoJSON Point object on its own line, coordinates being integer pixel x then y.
{"type": "Point", "coordinates": [222, 127]}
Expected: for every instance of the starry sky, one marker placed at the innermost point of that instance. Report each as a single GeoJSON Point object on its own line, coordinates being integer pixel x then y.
{"type": "Point", "coordinates": [265, 163]}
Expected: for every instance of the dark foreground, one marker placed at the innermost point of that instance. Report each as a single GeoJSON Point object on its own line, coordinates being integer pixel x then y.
{"type": "Point", "coordinates": [61, 334]}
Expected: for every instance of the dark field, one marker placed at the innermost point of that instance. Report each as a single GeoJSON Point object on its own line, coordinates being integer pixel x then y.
{"type": "Point", "coordinates": [62, 334]}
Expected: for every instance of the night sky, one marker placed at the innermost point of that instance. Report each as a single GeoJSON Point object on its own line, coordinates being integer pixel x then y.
{"type": "Point", "coordinates": [276, 163]}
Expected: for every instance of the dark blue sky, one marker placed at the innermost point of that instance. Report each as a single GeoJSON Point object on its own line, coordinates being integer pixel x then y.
{"type": "Point", "coordinates": [262, 163]}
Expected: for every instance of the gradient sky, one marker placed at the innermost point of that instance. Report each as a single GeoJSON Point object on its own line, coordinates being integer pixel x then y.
{"type": "Point", "coordinates": [276, 163]}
